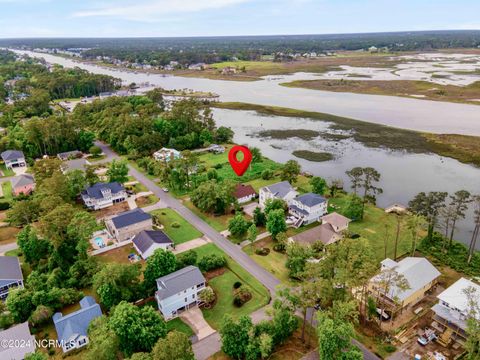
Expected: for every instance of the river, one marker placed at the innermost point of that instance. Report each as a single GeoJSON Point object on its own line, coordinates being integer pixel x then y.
{"type": "Point", "coordinates": [403, 174]}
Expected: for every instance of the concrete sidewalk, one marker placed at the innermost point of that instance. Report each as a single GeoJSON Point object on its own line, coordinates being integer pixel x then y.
{"type": "Point", "coordinates": [192, 244]}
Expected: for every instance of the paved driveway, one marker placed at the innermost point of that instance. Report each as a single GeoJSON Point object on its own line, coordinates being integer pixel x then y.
{"type": "Point", "coordinates": [189, 245]}
{"type": "Point", "coordinates": [194, 318]}
{"type": "Point", "coordinates": [250, 208]}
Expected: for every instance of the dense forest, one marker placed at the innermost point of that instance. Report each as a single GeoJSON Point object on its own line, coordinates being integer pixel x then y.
{"type": "Point", "coordinates": [159, 51]}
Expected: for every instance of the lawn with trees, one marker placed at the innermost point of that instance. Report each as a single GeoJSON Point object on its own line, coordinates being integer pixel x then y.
{"type": "Point", "coordinates": [176, 227]}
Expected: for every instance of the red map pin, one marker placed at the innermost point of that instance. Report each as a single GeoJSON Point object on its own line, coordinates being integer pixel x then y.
{"type": "Point", "coordinates": [239, 166]}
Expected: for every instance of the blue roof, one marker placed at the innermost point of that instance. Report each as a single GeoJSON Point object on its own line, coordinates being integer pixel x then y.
{"type": "Point", "coordinates": [310, 199]}
{"type": "Point", "coordinates": [130, 217]}
{"type": "Point", "coordinates": [95, 191]}
{"type": "Point", "coordinates": [72, 325]}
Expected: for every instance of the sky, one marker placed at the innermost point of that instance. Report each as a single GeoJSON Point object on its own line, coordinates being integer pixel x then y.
{"type": "Point", "coordinates": [164, 18]}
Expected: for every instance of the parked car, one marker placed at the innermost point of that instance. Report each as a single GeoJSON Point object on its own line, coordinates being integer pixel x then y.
{"type": "Point", "coordinates": [384, 316]}
{"type": "Point", "coordinates": [165, 189]}
{"type": "Point", "coordinates": [427, 337]}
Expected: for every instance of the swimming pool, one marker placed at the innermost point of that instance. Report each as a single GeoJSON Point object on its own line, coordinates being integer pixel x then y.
{"type": "Point", "coordinates": [99, 241]}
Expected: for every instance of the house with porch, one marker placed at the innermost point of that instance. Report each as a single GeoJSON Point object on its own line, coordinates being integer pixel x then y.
{"type": "Point", "coordinates": [72, 328]}
{"type": "Point", "coordinates": [147, 241]}
{"type": "Point", "coordinates": [282, 190]}
{"type": "Point", "coordinates": [166, 155]}
{"type": "Point", "coordinates": [126, 225]}
{"type": "Point", "coordinates": [13, 159]}
{"type": "Point", "coordinates": [22, 184]}
{"type": "Point", "coordinates": [20, 334]}
{"type": "Point", "coordinates": [178, 291]}
{"type": "Point", "coordinates": [420, 277]}
{"type": "Point", "coordinates": [102, 195]}
{"type": "Point", "coordinates": [452, 311]}
{"type": "Point", "coordinates": [307, 208]}
{"type": "Point", "coordinates": [11, 276]}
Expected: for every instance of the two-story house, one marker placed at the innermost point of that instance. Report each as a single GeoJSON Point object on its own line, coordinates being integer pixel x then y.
{"type": "Point", "coordinates": [128, 224]}
{"type": "Point", "coordinates": [452, 311]}
{"type": "Point", "coordinates": [13, 158]}
{"type": "Point", "coordinates": [282, 190]}
{"type": "Point", "coordinates": [307, 208]}
{"type": "Point", "coordinates": [178, 291]}
{"type": "Point", "coordinates": [72, 329]}
{"type": "Point", "coordinates": [417, 273]}
{"type": "Point", "coordinates": [102, 195]}
{"type": "Point", "coordinates": [166, 154]}
{"type": "Point", "coordinates": [11, 275]}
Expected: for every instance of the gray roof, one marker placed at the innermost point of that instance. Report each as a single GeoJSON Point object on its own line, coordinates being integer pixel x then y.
{"type": "Point", "coordinates": [178, 281]}
{"type": "Point", "coordinates": [20, 333]}
{"type": "Point", "coordinates": [297, 209]}
{"type": "Point", "coordinates": [10, 268]}
{"type": "Point", "coordinates": [130, 217]}
{"type": "Point", "coordinates": [12, 155]}
{"type": "Point", "coordinates": [418, 271]}
{"type": "Point", "coordinates": [323, 233]}
{"type": "Point", "coordinates": [95, 191]}
{"type": "Point", "coordinates": [69, 154]}
{"type": "Point", "coordinates": [310, 199]}
{"type": "Point", "coordinates": [280, 189]}
{"type": "Point", "coordinates": [146, 238]}
{"type": "Point", "coordinates": [22, 180]}
{"type": "Point", "coordinates": [70, 326]}
{"type": "Point", "coordinates": [76, 164]}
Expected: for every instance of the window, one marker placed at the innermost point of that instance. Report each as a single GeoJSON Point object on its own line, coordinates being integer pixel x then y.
{"type": "Point", "coordinates": [185, 299]}
{"type": "Point", "coordinates": [193, 296]}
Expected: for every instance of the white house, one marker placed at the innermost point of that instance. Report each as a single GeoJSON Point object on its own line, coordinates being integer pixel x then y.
{"type": "Point", "coordinates": [282, 190]}
{"type": "Point", "coordinates": [13, 158]}
{"type": "Point", "coordinates": [178, 291]}
{"type": "Point", "coordinates": [308, 208]}
{"type": "Point", "coordinates": [102, 195]}
{"type": "Point", "coordinates": [166, 154]}
{"type": "Point", "coordinates": [72, 328]}
{"type": "Point", "coordinates": [244, 193]}
{"type": "Point", "coordinates": [11, 275]}
{"type": "Point", "coordinates": [452, 310]}
{"type": "Point", "coordinates": [147, 241]}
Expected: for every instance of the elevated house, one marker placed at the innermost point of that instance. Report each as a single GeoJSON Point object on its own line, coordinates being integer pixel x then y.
{"type": "Point", "coordinates": [244, 193]}
{"type": "Point", "coordinates": [21, 335]}
{"type": "Point", "coordinates": [330, 231]}
{"type": "Point", "coordinates": [307, 208]}
{"type": "Point", "coordinates": [178, 291]}
{"type": "Point", "coordinates": [75, 164]}
{"type": "Point", "coordinates": [72, 328]}
{"type": "Point", "coordinates": [420, 275]}
{"type": "Point", "coordinates": [452, 311]}
{"type": "Point", "coordinates": [13, 159]}
{"type": "Point", "coordinates": [22, 184]}
{"type": "Point", "coordinates": [102, 195]}
{"type": "Point", "coordinates": [166, 155]}
{"type": "Point", "coordinates": [128, 224]}
{"type": "Point", "coordinates": [11, 276]}
{"type": "Point", "coordinates": [282, 190]}
{"type": "Point", "coordinates": [70, 155]}
{"type": "Point", "coordinates": [147, 241]}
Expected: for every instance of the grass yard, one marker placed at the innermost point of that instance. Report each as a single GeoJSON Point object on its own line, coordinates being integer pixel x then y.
{"type": "Point", "coordinates": [178, 325]}
{"type": "Point", "coordinates": [219, 223]}
{"type": "Point", "coordinates": [7, 191]}
{"type": "Point", "coordinates": [146, 200]}
{"type": "Point", "coordinates": [223, 286]}
{"type": "Point", "coordinates": [183, 233]}
{"type": "Point", "coordinates": [8, 234]}
{"type": "Point", "coordinates": [274, 262]}
{"type": "Point", "coordinates": [373, 228]}
{"type": "Point", "coordinates": [5, 172]}
{"type": "Point", "coordinates": [119, 255]}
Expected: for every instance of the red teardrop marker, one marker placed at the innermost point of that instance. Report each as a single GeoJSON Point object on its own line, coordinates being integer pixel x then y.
{"type": "Point", "coordinates": [239, 166]}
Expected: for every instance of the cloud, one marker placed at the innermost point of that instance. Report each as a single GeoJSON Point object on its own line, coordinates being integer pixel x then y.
{"type": "Point", "coordinates": [151, 10]}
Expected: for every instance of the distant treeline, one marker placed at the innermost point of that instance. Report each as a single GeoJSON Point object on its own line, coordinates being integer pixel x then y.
{"type": "Point", "coordinates": [213, 49]}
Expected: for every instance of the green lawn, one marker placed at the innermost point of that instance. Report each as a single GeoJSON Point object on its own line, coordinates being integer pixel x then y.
{"type": "Point", "coordinates": [185, 232]}
{"type": "Point", "coordinates": [7, 191]}
{"type": "Point", "coordinates": [219, 223]}
{"type": "Point", "coordinates": [5, 171]}
{"type": "Point", "coordinates": [223, 286]}
{"type": "Point", "coordinates": [372, 228]}
{"type": "Point", "coordinates": [178, 325]}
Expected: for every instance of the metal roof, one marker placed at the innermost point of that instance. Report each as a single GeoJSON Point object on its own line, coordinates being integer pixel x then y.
{"type": "Point", "coordinates": [280, 189]}
{"type": "Point", "coordinates": [130, 217]}
{"type": "Point", "coordinates": [310, 199]}
{"type": "Point", "coordinates": [10, 268]}
{"type": "Point", "coordinates": [455, 295]}
{"type": "Point", "coordinates": [12, 155]}
{"type": "Point", "coordinates": [179, 281]}
{"type": "Point", "coordinates": [146, 238]}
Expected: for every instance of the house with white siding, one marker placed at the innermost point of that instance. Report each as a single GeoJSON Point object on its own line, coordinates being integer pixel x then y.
{"type": "Point", "coordinates": [102, 195]}
{"type": "Point", "coordinates": [11, 276]}
{"type": "Point", "coordinates": [282, 190]}
{"type": "Point", "coordinates": [307, 208]}
{"type": "Point", "coordinates": [13, 159]}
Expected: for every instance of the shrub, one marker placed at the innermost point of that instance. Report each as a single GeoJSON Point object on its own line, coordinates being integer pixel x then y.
{"type": "Point", "coordinates": [264, 251]}
{"type": "Point", "coordinates": [95, 151]}
{"type": "Point", "coordinates": [218, 166]}
{"type": "Point", "coordinates": [186, 258]}
{"type": "Point", "coordinates": [237, 284]}
{"type": "Point", "coordinates": [4, 205]}
{"type": "Point", "coordinates": [207, 295]}
{"type": "Point", "coordinates": [175, 225]}
{"type": "Point", "coordinates": [41, 315]}
{"type": "Point", "coordinates": [267, 174]}
{"type": "Point", "coordinates": [241, 296]}
{"type": "Point", "coordinates": [212, 262]}
{"type": "Point", "coordinates": [390, 348]}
